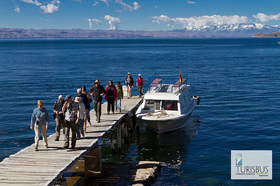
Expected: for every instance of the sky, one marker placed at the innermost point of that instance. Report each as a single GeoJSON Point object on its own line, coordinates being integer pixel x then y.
{"type": "Point", "coordinates": [148, 15]}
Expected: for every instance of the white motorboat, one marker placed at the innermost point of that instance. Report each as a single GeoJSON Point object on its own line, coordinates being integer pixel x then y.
{"type": "Point", "coordinates": [166, 107]}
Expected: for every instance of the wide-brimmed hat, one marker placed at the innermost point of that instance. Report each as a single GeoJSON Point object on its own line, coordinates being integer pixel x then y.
{"type": "Point", "coordinates": [60, 97]}
{"type": "Point", "coordinates": [77, 99]}
{"type": "Point", "coordinates": [67, 97]}
{"type": "Point", "coordinates": [139, 75]}
{"type": "Point", "coordinates": [128, 73]}
{"type": "Point", "coordinates": [96, 81]}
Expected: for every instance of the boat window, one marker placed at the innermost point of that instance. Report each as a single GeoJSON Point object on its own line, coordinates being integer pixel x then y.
{"type": "Point", "coordinates": [169, 105]}
{"type": "Point", "coordinates": [152, 105]}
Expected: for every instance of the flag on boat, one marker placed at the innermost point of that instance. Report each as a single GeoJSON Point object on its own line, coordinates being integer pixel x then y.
{"type": "Point", "coordinates": [181, 79]}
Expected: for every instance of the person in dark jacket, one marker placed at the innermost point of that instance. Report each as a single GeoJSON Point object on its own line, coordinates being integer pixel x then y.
{"type": "Point", "coordinates": [97, 91]}
{"type": "Point", "coordinates": [59, 117]}
{"type": "Point", "coordinates": [129, 83]}
{"type": "Point", "coordinates": [71, 112]}
{"type": "Point", "coordinates": [87, 118]}
{"type": "Point", "coordinates": [110, 95]}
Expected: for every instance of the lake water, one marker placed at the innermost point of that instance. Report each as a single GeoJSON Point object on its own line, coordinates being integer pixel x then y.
{"type": "Point", "coordinates": [237, 79]}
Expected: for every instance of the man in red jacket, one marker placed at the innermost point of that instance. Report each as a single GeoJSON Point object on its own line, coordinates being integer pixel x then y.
{"type": "Point", "coordinates": [140, 83]}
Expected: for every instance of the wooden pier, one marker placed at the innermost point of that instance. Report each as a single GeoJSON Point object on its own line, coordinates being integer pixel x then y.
{"type": "Point", "coordinates": [46, 166]}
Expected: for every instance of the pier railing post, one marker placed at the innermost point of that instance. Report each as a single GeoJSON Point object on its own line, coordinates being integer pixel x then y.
{"type": "Point", "coordinates": [119, 133]}
{"type": "Point", "coordinates": [93, 163]}
{"type": "Point", "coordinates": [125, 131]}
{"type": "Point", "coordinates": [112, 142]}
{"type": "Point", "coordinates": [128, 121]}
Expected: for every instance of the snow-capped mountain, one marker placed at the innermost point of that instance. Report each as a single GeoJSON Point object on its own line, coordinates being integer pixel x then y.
{"type": "Point", "coordinates": [248, 28]}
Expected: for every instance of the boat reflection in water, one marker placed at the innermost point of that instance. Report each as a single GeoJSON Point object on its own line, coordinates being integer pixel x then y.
{"type": "Point", "coordinates": [168, 147]}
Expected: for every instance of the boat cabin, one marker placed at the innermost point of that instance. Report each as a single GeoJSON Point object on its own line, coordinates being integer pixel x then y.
{"type": "Point", "coordinates": [172, 98]}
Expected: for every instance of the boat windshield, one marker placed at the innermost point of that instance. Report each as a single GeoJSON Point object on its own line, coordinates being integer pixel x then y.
{"type": "Point", "coordinates": [152, 105]}
{"type": "Point", "coordinates": [161, 105]}
{"type": "Point", "coordinates": [169, 105]}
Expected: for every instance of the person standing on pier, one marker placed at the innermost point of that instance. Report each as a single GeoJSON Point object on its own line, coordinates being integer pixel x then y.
{"type": "Point", "coordinates": [119, 97]}
{"type": "Point", "coordinates": [71, 112]}
{"type": "Point", "coordinates": [40, 120]}
{"type": "Point", "coordinates": [110, 95]}
{"type": "Point", "coordinates": [97, 91]}
{"type": "Point", "coordinates": [129, 83]}
{"type": "Point", "coordinates": [87, 118]}
{"type": "Point", "coordinates": [81, 117]}
{"type": "Point", "coordinates": [59, 117]}
{"type": "Point", "coordinates": [140, 84]}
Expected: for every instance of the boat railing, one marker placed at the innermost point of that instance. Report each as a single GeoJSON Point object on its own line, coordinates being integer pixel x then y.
{"type": "Point", "coordinates": [155, 82]}
{"type": "Point", "coordinates": [157, 86]}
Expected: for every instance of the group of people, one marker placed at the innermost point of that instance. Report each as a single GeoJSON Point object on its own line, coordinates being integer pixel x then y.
{"type": "Point", "coordinates": [73, 114]}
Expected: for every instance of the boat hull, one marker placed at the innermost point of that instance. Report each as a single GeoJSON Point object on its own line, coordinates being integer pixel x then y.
{"type": "Point", "coordinates": [162, 126]}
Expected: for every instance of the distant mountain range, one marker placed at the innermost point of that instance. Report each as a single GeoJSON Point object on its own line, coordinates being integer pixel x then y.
{"type": "Point", "coordinates": [228, 30]}
{"type": "Point", "coordinates": [243, 29]}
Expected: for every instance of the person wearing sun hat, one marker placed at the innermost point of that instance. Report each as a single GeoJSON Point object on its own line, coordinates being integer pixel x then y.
{"type": "Point", "coordinates": [81, 118]}
{"type": "Point", "coordinates": [40, 121]}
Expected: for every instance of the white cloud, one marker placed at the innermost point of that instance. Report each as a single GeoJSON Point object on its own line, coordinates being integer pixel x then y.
{"type": "Point", "coordinates": [17, 9]}
{"type": "Point", "coordinates": [96, 3]}
{"type": "Point", "coordinates": [136, 6]}
{"type": "Point", "coordinates": [202, 21]}
{"type": "Point", "coordinates": [128, 7]}
{"type": "Point", "coordinates": [51, 8]}
{"type": "Point", "coordinates": [190, 2]}
{"type": "Point", "coordinates": [35, 2]}
{"type": "Point", "coordinates": [112, 22]}
{"type": "Point", "coordinates": [90, 21]}
{"type": "Point", "coordinates": [105, 1]}
{"type": "Point", "coordinates": [265, 18]}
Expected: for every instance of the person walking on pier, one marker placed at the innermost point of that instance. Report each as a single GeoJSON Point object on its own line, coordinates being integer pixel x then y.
{"type": "Point", "coordinates": [87, 118]}
{"type": "Point", "coordinates": [97, 91]}
{"type": "Point", "coordinates": [140, 84]}
{"type": "Point", "coordinates": [71, 111]}
{"type": "Point", "coordinates": [129, 83]}
{"type": "Point", "coordinates": [40, 121]}
{"type": "Point", "coordinates": [119, 97]}
{"type": "Point", "coordinates": [59, 117]}
{"type": "Point", "coordinates": [84, 99]}
{"type": "Point", "coordinates": [81, 117]}
{"type": "Point", "coordinates": [110, 95]}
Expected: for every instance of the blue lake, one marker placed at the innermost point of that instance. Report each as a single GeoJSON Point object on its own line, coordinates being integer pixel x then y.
{"type": "Point", "coordinates": [237, 79]}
